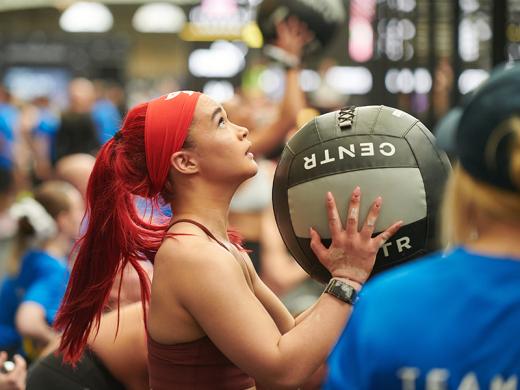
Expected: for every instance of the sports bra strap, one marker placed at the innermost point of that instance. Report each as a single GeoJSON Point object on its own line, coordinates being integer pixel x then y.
{"type": "Point", "coordinates": [202, 227]}
{"type": "Point", "coordinates": [206, 230]}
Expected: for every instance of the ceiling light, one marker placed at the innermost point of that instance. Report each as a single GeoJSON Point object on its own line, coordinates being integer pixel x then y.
{"type": "Point", "coordinates": [159, 18]}
{"type": "Point", "coordinates": [86, 17]}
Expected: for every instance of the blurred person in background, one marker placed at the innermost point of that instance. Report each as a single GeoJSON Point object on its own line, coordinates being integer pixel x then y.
{"type": "Point", "coordinates": [326, 97]}
{"type": "Point", "coordinates": [9, 116]}
{"type": "Point", "coordinates": [116, 93]}
{"type": "Point", "coordinates": [43, 136]}
{"type": "Point", "coordinates": [75, 169]}
{"type": "Point", "coordinates": [115, 357]}
{"type": "Point", "coordinates": [105, 113]}
{"type": "Point", "coordinates": [30, 295]}
{"type": "Point", "coordinates": [77, 132]}
{"type": "Point", "coordinates": [253, 197]}
{"type": "Point", "coordinates": [9, 172]}
{"type": "Point", "coordinates": [116, 353]}
{"type": "Point", "coordinates": [449, 321]}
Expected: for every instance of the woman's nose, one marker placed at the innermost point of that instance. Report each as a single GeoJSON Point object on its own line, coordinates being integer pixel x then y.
{"type": "Point", "coordinates": [243, 131]}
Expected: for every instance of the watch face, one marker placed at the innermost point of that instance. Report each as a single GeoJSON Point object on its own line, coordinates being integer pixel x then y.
{"type": "Point", "coordinates": [342, 291]}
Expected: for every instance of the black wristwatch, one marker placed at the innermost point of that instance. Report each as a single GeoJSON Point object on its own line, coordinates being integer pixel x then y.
{"type": "Point", "coordinates": [342, 290]}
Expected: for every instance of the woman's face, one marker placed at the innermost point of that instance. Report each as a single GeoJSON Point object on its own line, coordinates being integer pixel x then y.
{"type": "Point", "coordinates": [220, 146]}
{"type": "Point", "coordinates": [71, 221]}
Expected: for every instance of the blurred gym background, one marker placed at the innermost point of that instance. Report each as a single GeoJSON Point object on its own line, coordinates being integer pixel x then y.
{"type": "Point", "coordinates": [418, 55]}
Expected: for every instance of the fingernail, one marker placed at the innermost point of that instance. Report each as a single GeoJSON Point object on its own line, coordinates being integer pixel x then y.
{"type": "Point", "coordinates": [357, 191]}
{"type": "Point", "coordinates": [311, 230]}
{"type": "Point", "coordinates": [379, 200]}
{"type": "Point", "coordinates": [329, 195]}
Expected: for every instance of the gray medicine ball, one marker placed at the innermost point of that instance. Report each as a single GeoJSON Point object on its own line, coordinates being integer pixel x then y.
{"type": "Point", "coordinates": [386, 152]}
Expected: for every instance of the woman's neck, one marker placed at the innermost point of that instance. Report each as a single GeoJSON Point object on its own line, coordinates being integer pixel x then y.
{"type": "Point", "coordinates": [498, 240]}
{"type": "Point", "coordinates": [210, 208]}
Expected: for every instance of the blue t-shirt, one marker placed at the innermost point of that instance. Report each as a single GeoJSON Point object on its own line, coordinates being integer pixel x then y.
{"type": "Point", "coordinates": [107, 119]}
{"type": "Point", "coordinates": [8, 121]}
{"type": "Point", "coordinates": [445, 322]}
{"type": "Point", "coordinates": [42, 279]}
{"type": "Point", "coordinates": [46, 127]}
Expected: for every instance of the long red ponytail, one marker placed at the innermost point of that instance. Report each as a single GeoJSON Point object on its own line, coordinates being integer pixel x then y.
{"type": "Point", "coordinates": [116, 234]}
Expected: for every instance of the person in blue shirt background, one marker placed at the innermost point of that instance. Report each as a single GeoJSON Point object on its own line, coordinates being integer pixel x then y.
{"type": "Point", "coordinates": [43, 136]}
{"type": "Point", "coordinates": [105, 113]}
{"type": "Point", "coordinates": [8, 120]}
{"type": "Point", "coordinates": [450, 321]}
{"type": "Point", "coordinates": [30, 296]}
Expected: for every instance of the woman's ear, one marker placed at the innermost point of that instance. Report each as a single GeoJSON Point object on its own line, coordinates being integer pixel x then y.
{"type": "Point", "coordinates": [184, 162]}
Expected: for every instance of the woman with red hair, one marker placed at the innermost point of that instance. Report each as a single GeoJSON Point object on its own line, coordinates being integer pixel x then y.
{"type": "Point", "coordinates": [212, 323]}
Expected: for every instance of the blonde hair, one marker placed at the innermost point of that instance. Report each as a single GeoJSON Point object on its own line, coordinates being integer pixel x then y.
{"type": "Point", "coordinates": [467, 198]}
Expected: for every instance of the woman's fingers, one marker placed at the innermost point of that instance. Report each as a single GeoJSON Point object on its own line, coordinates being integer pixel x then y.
{"type": "Point", "coordinates": [353, 211]}
{"type": "Point", "coordinates": [317, 247]}
{"type": "Point", "coordinates": [382, 238]}
{"type": "Point", "coordinates": [333, 216]}
{"type": "Point", "coordinates": [19, 368]}
{"type": "Point", "coordinates": [370, 221]}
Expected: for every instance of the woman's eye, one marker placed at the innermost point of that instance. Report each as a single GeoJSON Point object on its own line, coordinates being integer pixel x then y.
{"type": "Point", "coordinates": [221, 122]}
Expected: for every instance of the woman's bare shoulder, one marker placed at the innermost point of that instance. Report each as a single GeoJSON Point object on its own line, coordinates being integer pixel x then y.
{"type": "Point", "coordinates": [189, 247]}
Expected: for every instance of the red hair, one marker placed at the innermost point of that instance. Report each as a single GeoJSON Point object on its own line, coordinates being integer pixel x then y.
{"type": "Point", "coordinates": [116, 235]}
{"type": "Point", "coordinates": [134, 163]}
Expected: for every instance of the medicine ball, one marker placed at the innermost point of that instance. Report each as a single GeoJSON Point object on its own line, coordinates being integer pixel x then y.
{"type": "Point", "coordinates": [383, 150]}
{"type": "Point", "coordinates": [322, 17]}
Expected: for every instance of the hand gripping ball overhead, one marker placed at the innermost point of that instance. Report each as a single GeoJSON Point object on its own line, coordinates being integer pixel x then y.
{"type": "Point", "coordinates": [383, 150]}
{"type": "Point", "coordinates": [323, 18]}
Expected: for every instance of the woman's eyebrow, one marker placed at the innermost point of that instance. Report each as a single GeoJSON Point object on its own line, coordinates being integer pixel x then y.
{"type": "Point", "coordinates": [217, 110]}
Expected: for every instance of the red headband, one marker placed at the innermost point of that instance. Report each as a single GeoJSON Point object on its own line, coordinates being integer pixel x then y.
{"type": "Point", "coordinates": [168, 119]}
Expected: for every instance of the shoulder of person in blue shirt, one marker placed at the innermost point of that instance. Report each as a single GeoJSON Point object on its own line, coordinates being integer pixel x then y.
{"type": "Point", "coordinates": [450, 315]}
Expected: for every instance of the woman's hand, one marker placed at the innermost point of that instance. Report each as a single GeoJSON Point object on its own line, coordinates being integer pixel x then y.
{"type": "Point", "coordinates": [352, 253]}
{"type": "Point", "coordinates": [15, 378]}
{"type": "Point", "coordinates": [292, 35]}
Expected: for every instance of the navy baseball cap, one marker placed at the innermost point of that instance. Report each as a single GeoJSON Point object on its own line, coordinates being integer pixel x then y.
{"type": "Point", "coordinates": [482, 146]}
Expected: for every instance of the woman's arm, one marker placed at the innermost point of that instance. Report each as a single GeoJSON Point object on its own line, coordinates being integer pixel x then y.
{"type": "Point", "coordinates": [31, 323]}
{"type": "Point", "coordinates": [216, 294]}
{"type": "Point", "coordinates": [123, 350]}
{"type": "Point", "coordinates": [292, 36]}
{"type": "Point", "coordinates": [211, 285]}
{"type": "Point", "coordinates": [266, 139]}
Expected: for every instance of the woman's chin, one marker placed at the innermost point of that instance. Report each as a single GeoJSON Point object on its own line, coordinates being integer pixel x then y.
{"type": "Point", "coordinates": [252, 171]}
